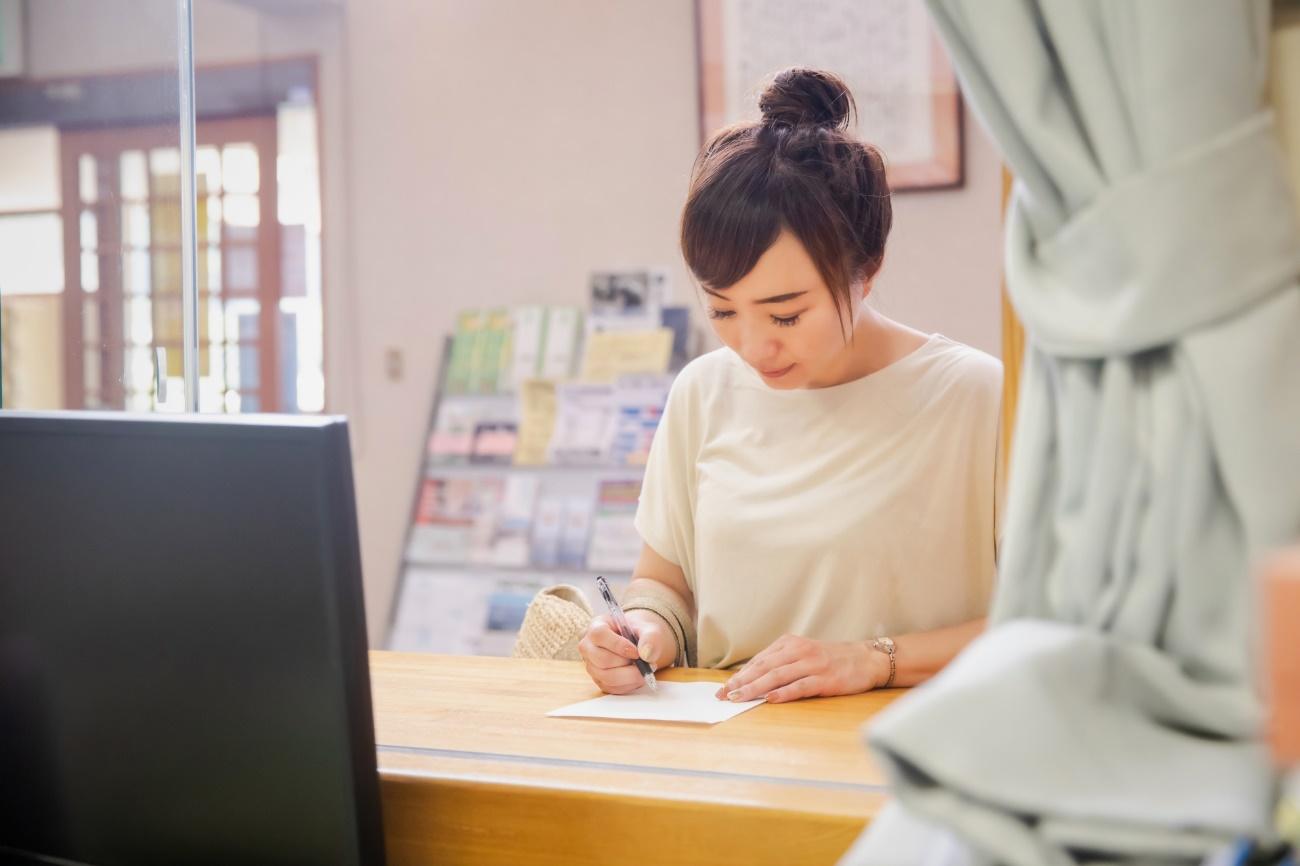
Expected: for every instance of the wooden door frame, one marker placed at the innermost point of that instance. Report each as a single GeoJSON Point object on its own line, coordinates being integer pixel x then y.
{"type": "Point", "coordinates": [261, 131]}
{"type": "Point", "coordinates": [1013, 347]}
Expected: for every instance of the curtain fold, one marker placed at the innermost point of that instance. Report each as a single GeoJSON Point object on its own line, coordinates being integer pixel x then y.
{"type": "Point", "coordinates": [1110, 713]}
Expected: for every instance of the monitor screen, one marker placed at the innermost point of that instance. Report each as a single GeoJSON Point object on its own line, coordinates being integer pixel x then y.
{"type": "Point", "coordinates": [183, 669]}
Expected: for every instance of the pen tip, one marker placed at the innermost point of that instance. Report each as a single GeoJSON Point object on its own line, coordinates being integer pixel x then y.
{"type": "Point", "coordinates": [650, 681]}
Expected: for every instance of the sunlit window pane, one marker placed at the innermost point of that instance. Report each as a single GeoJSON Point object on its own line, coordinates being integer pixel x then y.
{"type": "Point", "coordinates": [138, 320]}
{"type": "Point", "coordinates": [135, 225]}
{"type": "Point", "coordinates": [239, 168]}
{"type": "Point", "coordinates": [29, 169]}
{"type": "Point", "coordinates": [87, 178]}
{"type": "Point", "coordinates": [165, 172]}
{"type": "Point", "coordinates": [134, 180]}
{"type": "Point", "coordinates": [136, 276]}
{"type": "Point", "coordinates": [90, 323]}
{"type": "Point", "coordinates": [31, 254]}
{"type": "Point", "coordinates": [241, 270]}
{"type": "Point", "coordinates": [89, 271]}
{"type": "Point", "coordinates": [139, 369]}
{"type": "Point", "coordinates": [207, 168]}
{"type": "Point", "coordinates": [89, 230]}
{"type": "Point", "coordinates": [242, 217]}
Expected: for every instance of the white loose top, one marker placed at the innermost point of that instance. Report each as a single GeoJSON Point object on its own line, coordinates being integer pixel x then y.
{"type": "Point", "coordinates": [843, 513]}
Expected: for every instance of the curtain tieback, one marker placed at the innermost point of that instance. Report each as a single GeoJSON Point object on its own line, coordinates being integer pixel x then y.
{"type": "Point", "coordinates": [1171, 250]}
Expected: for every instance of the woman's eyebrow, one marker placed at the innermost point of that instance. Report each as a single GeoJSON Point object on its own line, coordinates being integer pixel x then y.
{"type": "Point", "coordinates": [779, 299]}
{"type": "Point", "coordinates": [775, 299]}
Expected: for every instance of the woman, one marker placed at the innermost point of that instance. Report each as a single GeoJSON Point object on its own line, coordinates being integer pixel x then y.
{"type": "Point", "coordinates": [819, 502]}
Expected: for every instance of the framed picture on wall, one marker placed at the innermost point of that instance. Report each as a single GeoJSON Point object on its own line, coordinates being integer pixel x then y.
{"type": "Point", "coordinates": [887, 51]}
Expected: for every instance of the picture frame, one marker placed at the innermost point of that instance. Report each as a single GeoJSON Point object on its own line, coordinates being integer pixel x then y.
{"type": "Point", "coordinates": [887, 51]}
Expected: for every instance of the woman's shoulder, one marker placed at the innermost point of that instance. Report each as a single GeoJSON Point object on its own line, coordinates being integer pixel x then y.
{"type": "Point", "coordinates": [957, 366]}
{"type": "Point", "coordinates": [707, 373]}
{"type": "Point", "coordinates": [692, 400]}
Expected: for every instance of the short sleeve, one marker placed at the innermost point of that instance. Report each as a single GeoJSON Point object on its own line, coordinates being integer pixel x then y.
{"type": "Point", "coordinates": [665, 515]}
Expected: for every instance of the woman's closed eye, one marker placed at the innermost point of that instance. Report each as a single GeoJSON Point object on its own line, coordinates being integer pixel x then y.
{"type": "Point", "coordinates": [779, 321]}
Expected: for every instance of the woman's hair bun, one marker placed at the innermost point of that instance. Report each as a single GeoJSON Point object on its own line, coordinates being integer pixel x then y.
{"type": "Point", "coordinates": [800, 96]}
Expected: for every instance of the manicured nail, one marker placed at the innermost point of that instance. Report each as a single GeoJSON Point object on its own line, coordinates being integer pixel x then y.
{"type": "Point", "coordinates": [734, 696]}
{"type": "Point", "coordinates": [646, 652]}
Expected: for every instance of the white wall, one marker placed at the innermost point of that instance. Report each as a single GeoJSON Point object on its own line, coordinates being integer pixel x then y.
{"type": "Point", "coordinates": [503, 150]}
{"type": "Point", "coordinates": [943, 262]}
{"type": "Point", "coordinates": [495, 152]}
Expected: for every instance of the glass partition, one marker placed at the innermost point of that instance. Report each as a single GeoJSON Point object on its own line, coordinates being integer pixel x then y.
{"type": "Point", "coordinates": [90, 216]}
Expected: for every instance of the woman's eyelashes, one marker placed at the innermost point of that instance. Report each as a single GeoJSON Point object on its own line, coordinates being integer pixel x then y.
{"type": "Point", "coordinates": [779, 321]}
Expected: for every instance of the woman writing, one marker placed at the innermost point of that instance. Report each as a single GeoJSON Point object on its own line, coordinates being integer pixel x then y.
{"type": "Point", "coordinates": [819, 502]}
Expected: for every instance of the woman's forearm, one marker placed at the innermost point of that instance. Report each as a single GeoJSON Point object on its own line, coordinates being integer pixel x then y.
{"type": "Point", "coordinates": [921, 655]}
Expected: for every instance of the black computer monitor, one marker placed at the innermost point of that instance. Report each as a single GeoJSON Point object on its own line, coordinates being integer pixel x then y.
{"type": "Point", "coordinates": [183, 670]}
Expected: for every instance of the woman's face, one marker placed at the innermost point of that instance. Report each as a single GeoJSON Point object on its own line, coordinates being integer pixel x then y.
{"type": "Point", "coordinates": [781, 319]}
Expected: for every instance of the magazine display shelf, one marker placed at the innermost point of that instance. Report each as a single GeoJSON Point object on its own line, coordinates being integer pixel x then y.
{"type": "Point", "coordinates": [485, 535]}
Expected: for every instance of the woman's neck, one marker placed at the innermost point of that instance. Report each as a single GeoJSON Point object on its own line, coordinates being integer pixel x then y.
{"type": "Point", "coordinates": [877, 342]}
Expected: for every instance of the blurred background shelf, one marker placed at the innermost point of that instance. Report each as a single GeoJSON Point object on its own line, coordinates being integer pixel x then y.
{"type": "Point", "coordinates": [485, 534]}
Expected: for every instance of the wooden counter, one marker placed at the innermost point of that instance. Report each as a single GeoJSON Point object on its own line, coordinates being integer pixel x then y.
{"type": "Point", "coordinates": [473, 772]}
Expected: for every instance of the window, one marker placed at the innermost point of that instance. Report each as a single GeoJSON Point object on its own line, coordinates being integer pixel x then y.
{"type": "Point", "coordinates": [91, 302]}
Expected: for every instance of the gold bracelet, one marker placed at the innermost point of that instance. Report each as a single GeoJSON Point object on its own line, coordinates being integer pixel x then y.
{"type": "Point", "coordinates": [886, 645]}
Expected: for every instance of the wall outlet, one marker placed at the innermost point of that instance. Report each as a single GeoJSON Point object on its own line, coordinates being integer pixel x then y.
{"type": "Point", "coordinates": [394, 364]}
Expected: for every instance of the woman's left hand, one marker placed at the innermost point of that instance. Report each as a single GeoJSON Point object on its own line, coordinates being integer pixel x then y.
{"type": "Point", "coordinates": [794, 667]}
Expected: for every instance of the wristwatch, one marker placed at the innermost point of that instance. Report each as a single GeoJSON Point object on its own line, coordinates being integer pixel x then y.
{"type": "Point", "coordinates": [886, 646]}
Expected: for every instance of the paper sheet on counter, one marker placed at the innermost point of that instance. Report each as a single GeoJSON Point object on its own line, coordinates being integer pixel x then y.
{"type": "Point", "coordinates": [674, 702]}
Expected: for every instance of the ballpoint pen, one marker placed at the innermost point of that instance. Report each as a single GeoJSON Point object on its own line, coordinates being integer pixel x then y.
{"type": "Point", "coordinates": [620, 623]}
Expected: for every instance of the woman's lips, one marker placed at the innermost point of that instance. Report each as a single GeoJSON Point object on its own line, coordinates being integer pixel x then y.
{"type": "Point", "coordinates": [776, 374]}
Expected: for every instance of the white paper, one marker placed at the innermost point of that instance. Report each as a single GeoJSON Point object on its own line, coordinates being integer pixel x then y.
{"type": "Point", "coordinates": [674, 702]}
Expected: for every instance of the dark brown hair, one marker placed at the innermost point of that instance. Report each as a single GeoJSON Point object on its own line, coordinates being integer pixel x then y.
{"type": "Point", "coordinates": [800, 169]}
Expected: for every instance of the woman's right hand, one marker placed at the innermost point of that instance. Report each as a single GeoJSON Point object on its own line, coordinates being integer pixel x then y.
{"type": "Point", "coordinates": [609, 656]}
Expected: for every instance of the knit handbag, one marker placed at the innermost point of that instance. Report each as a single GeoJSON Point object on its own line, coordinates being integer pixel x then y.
{"type": "Point", "coordinates": [555, 621]}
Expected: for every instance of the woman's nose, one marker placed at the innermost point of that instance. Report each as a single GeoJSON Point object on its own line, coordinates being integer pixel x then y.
{"type": "Point", "coordinates": [757, 347]}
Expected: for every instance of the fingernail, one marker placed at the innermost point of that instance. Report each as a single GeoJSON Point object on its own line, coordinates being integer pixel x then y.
{"type": "Point", "coordinates": [646, 652]}
{"type": "Point", "coordinates": [734, 696]}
